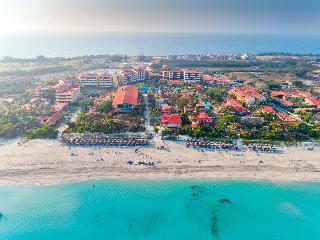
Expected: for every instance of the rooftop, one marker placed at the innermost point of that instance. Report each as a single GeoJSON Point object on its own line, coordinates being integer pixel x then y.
{"type": "Point", "coordinates": [127, 94]}
{"type": "Point", "coordinates": [171, 119]}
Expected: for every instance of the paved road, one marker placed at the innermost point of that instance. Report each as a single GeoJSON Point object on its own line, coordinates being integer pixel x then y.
{"type": "Point", "coordinates": [72, 119]}
{"type": "Point", "coordinates": [147, 124]}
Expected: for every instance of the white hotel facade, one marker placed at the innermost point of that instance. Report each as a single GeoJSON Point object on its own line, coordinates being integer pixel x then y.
{"type": "Point", "coordinates": [96, 79]}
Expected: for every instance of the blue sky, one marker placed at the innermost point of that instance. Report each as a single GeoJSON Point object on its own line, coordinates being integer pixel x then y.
{"type": "Point", "coordinates": [245, 16]}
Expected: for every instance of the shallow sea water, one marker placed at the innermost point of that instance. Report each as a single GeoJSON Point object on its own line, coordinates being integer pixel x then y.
{"type": "Point", "coordinates": [114, 209]}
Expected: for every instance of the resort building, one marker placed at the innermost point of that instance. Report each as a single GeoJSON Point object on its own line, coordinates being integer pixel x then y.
{"type": "Point", "coordinates": [88, 79]}
{"type": "Point", "coordinates": [44, 91]}
{"type": "Point", "coordinates": [67, 93]}
{"type": "Point", "coordinates": [268, 109]}
{"type": "Point", "coordinates": [204, 118]}
{"type": "Point", "coordinates": [126, 99]}
{"type": "Point", "coordinates": [192, 75]}
{"type": "Point", "coordinates": [241, 111]}
{"type": "Point", "coordinates": [165, 72]}
{"type": "Point", "coordinates": [96, 79]}
{"type": "Point", "coordinates": [313, 101]}
{"type": "Point", "coordinates": [166, 109]}
{"type": "Point", "coordinates": [301, 95]}
{"type": "Point", "coordinates": [54, 119]}
{"type": "Point", "coordinates": [177, 74]}
{"type": "Point", "coordinates": [286, 103]}
{"type": "Point", "coordinates": [171, 121]}
{"type": "Point", "coordinates": [279, 94]}
{"type": "Point", "coordinates": [247, 94]}
{"type": "Point", "coordinates": [133, 75]}
{"type": "Point", "coordinates": [105, 80]}
{"type": "Point", "coordinates": [287, 119]}
{"type": "Point", "coordinates": [171, 74]}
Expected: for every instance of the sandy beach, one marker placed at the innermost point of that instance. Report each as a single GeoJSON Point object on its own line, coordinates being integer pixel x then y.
{"type": "Point", "coordinates": [48, 162]}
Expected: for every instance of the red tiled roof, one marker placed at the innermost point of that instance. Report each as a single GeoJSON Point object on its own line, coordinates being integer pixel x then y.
{"type": "Point", "coordinates": [208, 78]}
{"type": "Point", "coordinates": [175, 82]}
{"type": "Point", "coordinates": [105, 74]}
{"type": "Point", "coordinates": [286, 102]}
{"type": "Point", "coordinates": [203, 116]}
{"type": "Point", "coordinates": [304, 109]}
{"type": "Point", "coordinates": [314, 101]}
{"type": "Point", "coordinates": [200, 105]}
{"type": "Point", "coordinates": [287, 119]}
{"type": "Point", "coordinates": [54, 118]}
{"type": "Point", "coordinates": [247, 92]}
{"type": "Point", "coordinates": [268, 109]}
{"type": "Point", "coordinates": [171, 119]}
{"type": "Point", "coordinates": [127, 94]}
{"type": "Point", "coordinates": [301, 94]}
{"type": "Point", "coordinates": [165, 67]}
{"type": "Point", "coordinates": [59, 106]}
{"type": "Point", "coordinates": [87, 74]}
{"type": "Point", "coordinates": [166, 108]}
{"type": "Point", "coordinates": [279, 94]}
{"type": "Point", "coordinates": [191, 71]}
{"type": "Point", "coordinates": [232, 102]}
{"type": "Point", "coordinates": [240, 109]}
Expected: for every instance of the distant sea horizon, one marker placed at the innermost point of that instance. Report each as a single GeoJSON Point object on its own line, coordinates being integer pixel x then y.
{"type": "Point", "coordinates": [30, 45]}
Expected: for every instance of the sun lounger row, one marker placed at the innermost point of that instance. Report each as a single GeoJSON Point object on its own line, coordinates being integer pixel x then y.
{"type": "Point", "coordinates": [211, 144]}
{"type": "Point", "coordinates": [105, 142]}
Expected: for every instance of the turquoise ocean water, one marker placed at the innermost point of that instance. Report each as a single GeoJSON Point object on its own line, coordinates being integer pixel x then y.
{"type": "Point", "coordinates": [157, 210]}
{"type": "Point", "coordinates": [75, 44]}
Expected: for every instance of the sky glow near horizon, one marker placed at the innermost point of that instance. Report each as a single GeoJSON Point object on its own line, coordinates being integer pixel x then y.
{"type": "Point", "coordinates": [234, 16]}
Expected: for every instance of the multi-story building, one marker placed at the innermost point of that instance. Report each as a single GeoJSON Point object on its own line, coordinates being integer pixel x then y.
{"type": "Point", "coordinates": [105, 80]}
{"type": "Point", "coordinates": [174, 74]}
{"type": "Point", "coordinates": [96, 79]}
{"type": "Point", "coordinates": [247, 94]}
{"type": "Point", "coordinates": [44, 91]}
{"type": "Point", "coordinates": [171, 74]}
{"type": "Point", "coordinates": [177, 74]}
{"type": "Point", "coordinates": [192, 75]}
{"type": "Point", "coordinates": [133, 75]}
{"type": "Point", "coordinates": [88, 79]}
{"type": "Point", "coordinates": [165, 72]}
{"type": "Point", "coordinates": [66, 93]}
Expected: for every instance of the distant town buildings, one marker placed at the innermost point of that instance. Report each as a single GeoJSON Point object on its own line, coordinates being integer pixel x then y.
{"type": "Point", "coordinates": [16, 82]}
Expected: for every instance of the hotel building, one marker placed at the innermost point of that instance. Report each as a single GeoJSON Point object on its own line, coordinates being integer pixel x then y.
{"type": "Point", "coordinates": [133, 75]}
{"type": "Point", "coordinates": [192, 75]}
{"type": "Point", "coordinates": [96, 79]}
{"type": "Point", "coordinates": [66, 93]}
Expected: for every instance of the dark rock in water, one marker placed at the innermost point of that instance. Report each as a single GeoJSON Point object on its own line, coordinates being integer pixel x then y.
{"type": "Point", "coordinates": [225, 200]}
{"type": "Point", "coordinates": [214, 222]}
{"type": "Point", "coordinates": [196, 191]}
